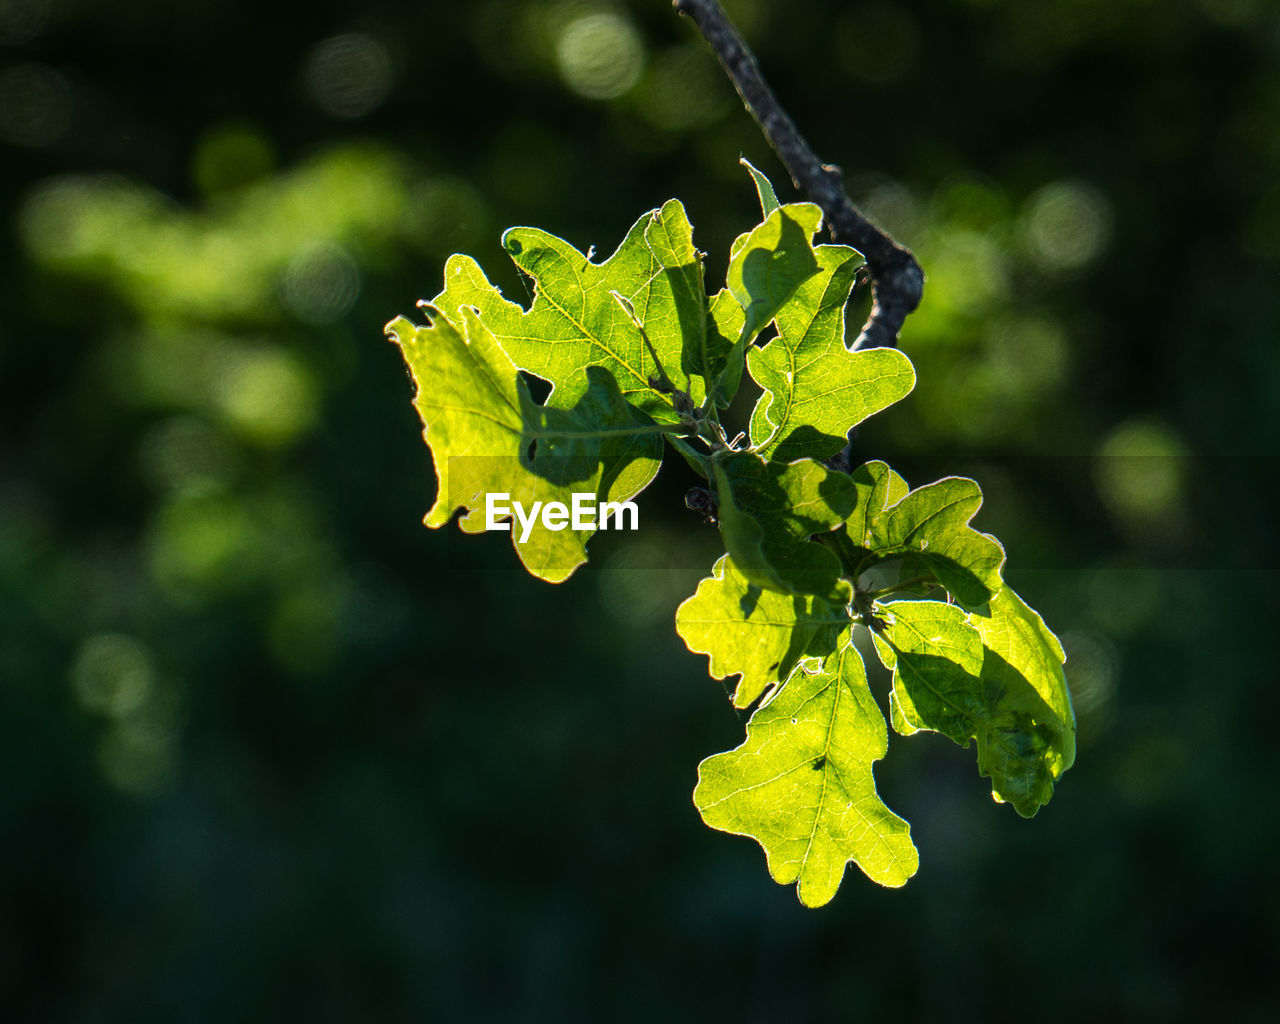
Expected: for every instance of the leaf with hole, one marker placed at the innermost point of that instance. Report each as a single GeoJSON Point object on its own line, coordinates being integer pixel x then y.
{"type": "Point", "coordinates": [801, 784]}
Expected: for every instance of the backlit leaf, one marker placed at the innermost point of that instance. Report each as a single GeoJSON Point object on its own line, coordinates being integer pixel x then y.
{"type": "Point", "coordinates": [575, 320]}
{"type": "Point", "coordinates": [801, 784]}
{"type": "Point", "coordinates": [482, 426]}
{"type": "Point", "coordinates": [765, 268]}
{"type": "Point", "coordinates": [764, 188]}
{"type": "Point", "coordinates": [878, 487]}
{"type": "Point", "coordinates": [758, 634]}
{"type": "Point", "coordinates": [815, 389]}
{"type": "Point", "coordinates": [948, 680]}
{"type": "Point", "coordinates": [767, 513]}
{"type": "Point", "coordinates": [1022, 653]}
{"type": "Point", "coordinates": [930, 527]}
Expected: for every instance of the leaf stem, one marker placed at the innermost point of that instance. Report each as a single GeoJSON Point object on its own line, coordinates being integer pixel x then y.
{"type": "Point", "coordinates": [695, 458]}
{"type": "Point", "coordinates": [840, 544]}
{"type": "Point", "coordinates": [900, 585]}
{"type": "Point", "coordinates": [653, 428]}
{"type": "Point", "coordinates": [736, 354]}
{"type": "Point", "coordinates": [629, 309]}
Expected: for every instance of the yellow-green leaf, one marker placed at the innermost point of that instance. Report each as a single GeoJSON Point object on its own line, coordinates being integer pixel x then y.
{"type": "Point", "coordinates": [758, 634]}
{"type": "Point", "coordinates": [487, 437]}
{"type": "Point", "coordinates": [767, 514]}
{"type": "Point", "coordinates": [801, 784]}
{"type": "Point", "coordinates": [815, 389]}
{"type": "Point", "coordinates": [929, 527]}
{"type": "Point", "coordinates": [1011, 698]}
{"type": "Point", "coordinates": [577, 321]}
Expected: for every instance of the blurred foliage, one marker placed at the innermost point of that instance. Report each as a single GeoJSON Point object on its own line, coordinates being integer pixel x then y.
{"type": "Point", "coordinates": [255, 767]}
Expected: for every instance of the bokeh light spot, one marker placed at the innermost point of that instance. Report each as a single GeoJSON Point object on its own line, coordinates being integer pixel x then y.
{"type": "Point", "coordinates": [1140, 471]}
{"type": "Point", "coordinates": [204, 546]}
{"type": "Point", "coordinates": [349, 75]}
{"type": "Point", "coordinates": [112, 674]}
{"type": "Point", "coordinates": [1066, 224]}
{"type": "Point", "coordinates": [230, 157]}
{"type": "Point", "coordinates": [968, 273]}
{"type": "Point", "coordinates": [186, 453]}
{"type": "Point", "coordinates": [321, 284]}
{"type": "Point", "coordinates": [139, 757]}
{"type": "Point", "coordinates": [976, 401]}
{"type": "Point", "coordinates": [684, 91]}
{"type": "Point", "coordinates": [199, 545]}
{"type": "Point", "coordinates": [267, 396]}
{"type": "Point", "coordinates": [600, 56]}
{"type": "Point", "coordinates": [230, 261]}
{"type": "Point", "coordinates": [1092, 666]}
{"type": "Point", "coordinates": [445, 215]}
{"type": "Point", "coordinates": [1030, 352]}
{"type": "Point", "coordinates": [970, 204]}
{"type": "Point", "coordinates": [80, 219]}
{"type": "Point", "coordinates": [35, 105]}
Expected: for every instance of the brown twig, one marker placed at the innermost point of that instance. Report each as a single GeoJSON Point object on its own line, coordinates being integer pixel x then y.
{"type": "Point", "coordinates": [897, 281]}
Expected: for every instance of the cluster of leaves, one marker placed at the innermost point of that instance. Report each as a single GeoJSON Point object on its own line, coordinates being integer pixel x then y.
{"type": "Point", "coordinates": [638, 356]}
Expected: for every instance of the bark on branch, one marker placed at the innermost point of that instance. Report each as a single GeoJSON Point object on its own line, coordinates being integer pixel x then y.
{"type": "Point", "coordinates": [897, 282]}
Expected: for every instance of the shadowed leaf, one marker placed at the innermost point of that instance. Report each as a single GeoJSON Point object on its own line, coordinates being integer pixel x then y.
{"type": "Point", "coordinates": [487, 436]}
{"type": "Point", "coordinates": [767, 514]}
{"type": "Point", "coordinates": [815, 389]}
{"type": "Point", "coordinates": [758, 634]}
{"type": "Point", "coordinates": [948, 680]}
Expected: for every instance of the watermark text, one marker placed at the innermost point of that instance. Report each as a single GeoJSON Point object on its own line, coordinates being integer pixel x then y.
{"type": "Point", "coordinates": [582, 513]}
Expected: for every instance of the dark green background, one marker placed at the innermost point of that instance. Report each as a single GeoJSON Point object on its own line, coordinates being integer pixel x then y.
{"type": "Point", "coordinates": [271, 750]}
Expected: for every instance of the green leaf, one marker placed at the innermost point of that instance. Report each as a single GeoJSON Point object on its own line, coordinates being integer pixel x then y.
{"type": "Point", "coordinates": [801, 784]}
{"type": "Point", "coordinates": [765, 268]}
{"type": "Point", "coordinates": [815, 389]}
{"type": "Point", "coordinates": [758, 634]}
{"type": "Point", "coordinates": [576, 322]}
{"type": "Point", "coordinates": [878, 487]}
{"type": "Point", "coordinates": [948, 680]}
{"type": "Point", "coordinates": [602, 430]}
{"type": "Point", "coordinates": [936, 658]}
{"type": "Point", "coordinates": [1023, 653]}
{"type": "Point", "coordinates": [764, 189]}
{"type": "Point", "coordinates": [482, 426]}
{"type": "Point", "coordinates": [930, 526]}
{"type": "Point", "coordinates": [776, 257]}
{"type": "Point", "coordinates": [634, 351]}
{"type": "Point", "coordinates": [724, 328]}
{"type": "Point", "coordinates": [670, 239]}
{"type": "Point", "coordinates": [767, 513]}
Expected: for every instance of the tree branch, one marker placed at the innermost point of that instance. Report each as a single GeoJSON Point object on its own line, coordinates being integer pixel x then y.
{"type": "Point", "coordinates": [897, 281]}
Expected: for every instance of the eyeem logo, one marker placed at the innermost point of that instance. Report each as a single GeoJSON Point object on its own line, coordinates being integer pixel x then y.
{"type": "Point", "coordinates": [583, 513]}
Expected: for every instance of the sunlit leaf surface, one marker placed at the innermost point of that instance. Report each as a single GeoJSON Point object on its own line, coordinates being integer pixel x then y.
{"type": "Point", "coordinates": [633, 349]}
{"type": "Point", "coordinates": [801, 784]}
